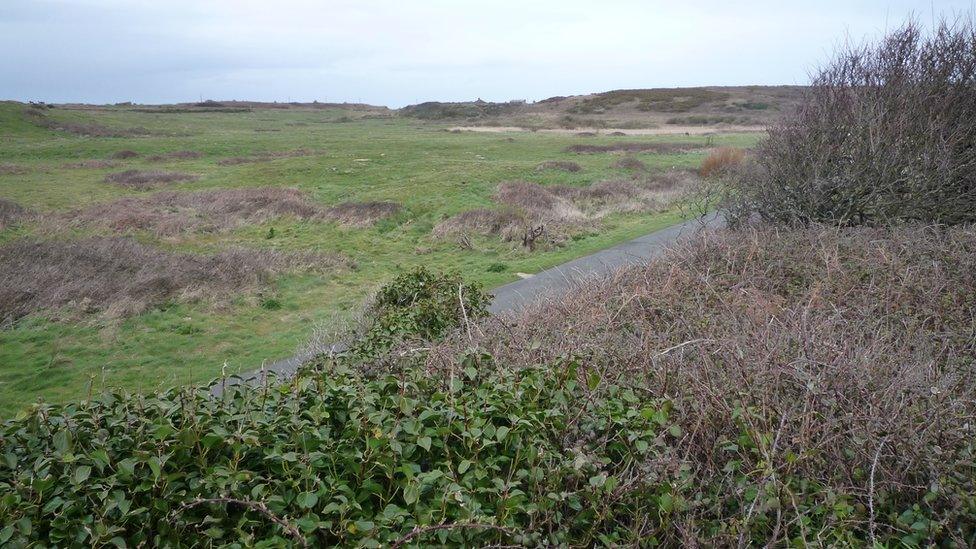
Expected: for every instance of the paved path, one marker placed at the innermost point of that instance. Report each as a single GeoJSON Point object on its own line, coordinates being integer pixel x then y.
{"type": "Point", "coordinates": [515, 295]}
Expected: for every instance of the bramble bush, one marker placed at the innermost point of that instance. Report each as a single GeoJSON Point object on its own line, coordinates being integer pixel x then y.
{"type": "Point", "coordinates": [886, 133]}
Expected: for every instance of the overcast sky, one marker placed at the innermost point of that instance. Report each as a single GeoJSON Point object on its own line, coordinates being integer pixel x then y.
{"type": "Point", "coordinates": [397, 52]}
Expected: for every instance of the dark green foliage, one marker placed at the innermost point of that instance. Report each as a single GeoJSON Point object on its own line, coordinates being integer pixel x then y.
{"type": "Point", "coordinates": [418, 305]}
{"type": "Point", "coordinates": [336, 458]}
{"type": "Point", "coordinates": [497, 268]}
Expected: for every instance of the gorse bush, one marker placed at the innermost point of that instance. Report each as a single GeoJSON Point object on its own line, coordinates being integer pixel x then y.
{"type": "Point", "coordinates": [885, 133]}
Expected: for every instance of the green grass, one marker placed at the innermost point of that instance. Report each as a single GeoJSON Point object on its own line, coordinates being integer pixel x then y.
{"type": "Point", "coordinates": [433, 173]}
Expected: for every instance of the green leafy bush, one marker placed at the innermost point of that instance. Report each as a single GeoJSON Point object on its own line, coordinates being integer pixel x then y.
{"type": "Point", "coordinates": [335, 457]}
{"type": "Point", "coordinates": [418, 305]}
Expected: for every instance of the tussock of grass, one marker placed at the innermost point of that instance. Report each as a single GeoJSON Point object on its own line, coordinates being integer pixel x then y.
{"type": "Point", "coordinates": [13, 169]}
{"type": "Point", "coordinates": [724, 160]}
{"type": "Point", "coordinates": [147, 179]}
{"type": "Point", "coordinates": [175, 155]}
{"type": "Point", "coordinates": [362, 214]}
{"type": "Point", "coordinates": [559, 165]}
{"type": "Point", "coordinates": [263, 157]}
{"type": "Point", "coordinates": [11, 213]}
{"type": "Point", "coordinates": [123, 277]}
{"type": "Point", "coordinates": [629, 163]}
{"type": "Point", "coordinates": [89, 165]}
{"type": "Point", "coordinates": [124, 154]}
{"type": "Point", "coordinates": [172, 212]}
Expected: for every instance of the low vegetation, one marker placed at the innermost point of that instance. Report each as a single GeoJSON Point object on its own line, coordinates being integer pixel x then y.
{"type": "Point", "coordinates": [362, 214]}
{"type": "Point", "coordinates": [559, 165]}
{"type": "Point", "coordinates": [90, 165]}
{"type": "Point", "coordinates": [11, 213]}
{"type": "Point", "coordinates": [703, 399]}
{"type": "Point", "coordinates": [170, 213]}
{"type": "Point", "coordinates": [654, 147]}
{"type": "Point", "coordinates": [147, 179]}
{"type": "Point", "coordinates": [122, 277]}
{"type": "Point", "coordinates": [263, 157]}
{"type": "Point", "coordinates": [175, 155]}
{"type": "Point", "coordinates": [723, 161]}
{"type": "Point", "coordinates": [13, 169]}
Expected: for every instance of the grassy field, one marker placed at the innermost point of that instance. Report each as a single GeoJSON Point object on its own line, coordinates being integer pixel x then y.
{"type": "Point", "coordinates": [430, 172]}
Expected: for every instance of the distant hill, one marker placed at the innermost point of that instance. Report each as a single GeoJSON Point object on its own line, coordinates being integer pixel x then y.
{"type": "Point", "coordinates": [736, 106]}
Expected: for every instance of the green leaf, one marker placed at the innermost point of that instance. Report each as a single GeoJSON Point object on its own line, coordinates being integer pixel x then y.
{"type": "Point", "coordinates": [424, 442]}
{"type": "Point", "coordinates": [81, 474]}
{"type": "Point", "coordinates": [501, 432]}
{"type": "Point", "coordinates": [6, 534]}
{"type": "Point", "coordinates": [156, 466]}
{"type": "Point", "coordinates": [593, 380]}
{"type": "Point", "coordinates": [411, 493]}
{"type": "Point", "coordinates": [365, 525]}
{"type": "Point", "coordinates": [307, 500]}
{"type": "Point", "coordinates": [463, 466]}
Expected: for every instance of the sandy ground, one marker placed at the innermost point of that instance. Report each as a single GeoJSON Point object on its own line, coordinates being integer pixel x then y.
{"type": "Point", "coordinates": [663, 130]}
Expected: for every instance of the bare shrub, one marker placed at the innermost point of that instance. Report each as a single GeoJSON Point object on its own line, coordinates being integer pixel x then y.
{"type": "Point", "coordinates": [657, 147]}
{"type": "Point", "coordinates": [629, 163]}
{"type": "Point", "coordinates": [11, 213]}
{"type": "Point", "coordinates": [175, 155]}
{"type": "Point", "coordinates": [123, 277]}
{"type": "Point", "coordinates": [90, 165]}
{"type": "Point", "coordinates": [884, 134]}
{"type": "Point", "coordinates": [722, 161]}
{"type": "Point", "coordinates": [263, 157]}
{"type": "Point", "coordinates": [362, 214]}
{"type": "Point", "coordinates": [13, 169]}
{"type": "Point", "coordinates": [172, 212]}
{"type": "Point", "coordinates": [559, 165]}
{"type": "Point", "coordinates": [810, 366]}
{"type": "Point", "coordinates": [147, 179]}
{"type": "Point", "coordinates": [124, 154]}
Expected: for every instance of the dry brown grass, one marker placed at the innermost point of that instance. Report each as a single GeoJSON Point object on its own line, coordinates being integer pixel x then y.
{"type": "Point", "coordinates": [843, 357]}
{"type": "Point", "coordinates": [722, 161]}
{"type": "Point", "coordinates": [89, 165]}
{"type": "Point", "coordinates": [362, 214]}
{"type": "Point", "coordinates": [13, 169]}
{"type": "Point", "coordinates": [629, 163]}
{"type": "Point", "coordinates": [562, 209]}
{"type": "Point", "coordinates": [657, 148]}
{"type": "Point", "coordinates": [121, 277]}
{"type": "Point", "coordinates": [175, 155]}
{"type": "Point", "coordinates": [11, 213]}
{"type": "Point", "coordinates": [263, 157]}
{"type": "Point", "coordinates": [559, 165]}
{"type": "Point", "coordinates": [172, 212]}
{"type": "Point", "coordinates": [124, 154]}
{"type": "Point", "coordinates": [147, 179]}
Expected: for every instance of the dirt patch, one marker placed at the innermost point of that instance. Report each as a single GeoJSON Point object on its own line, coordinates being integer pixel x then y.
{"type": "Point", "coordinates": [175, 155]}
{"type": "Point", "coordinates": [263, 157]}
{"type": "Point", "coordinates": [123, 277]}
{"type": "Point", "coordinates": [172, 212]}
{"type": "Point", "coordinates": [629, 163]}
{"type": "Point", "coordinates": [658, 148]}
{"type": "Point", "coordinates": [90, 165]}
{"type": "Point", "coordinates": [11, 213]}
{"type": "Point", "coordinates": [147, 179]}
{"type": "Point", "coordinates": [13, 169]}
{"type": "Point", "coordinates": [559, 165]}
{"type": "Point", "coordinates": [362, 214]}
{"type": "Point", "coordinates": [124, 155]}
